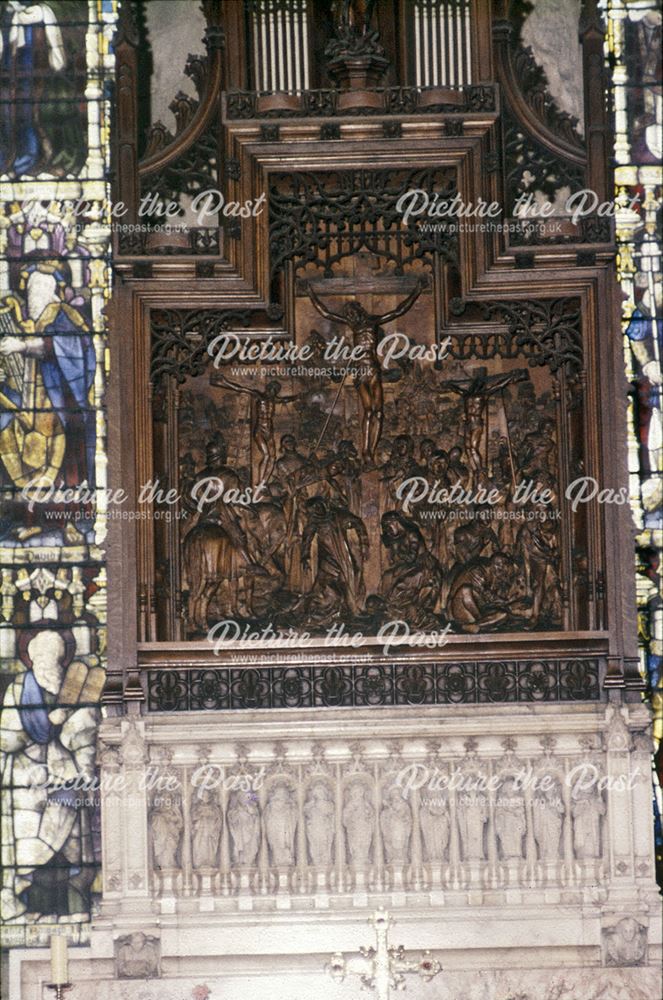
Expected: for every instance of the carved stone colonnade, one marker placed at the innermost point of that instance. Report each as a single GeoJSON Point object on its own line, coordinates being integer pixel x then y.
{"type": "Point", "coordinates": [502, 877]}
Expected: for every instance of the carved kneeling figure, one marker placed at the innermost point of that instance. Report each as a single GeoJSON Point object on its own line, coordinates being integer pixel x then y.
{"type": "Point", "coordinates": [487, 592]}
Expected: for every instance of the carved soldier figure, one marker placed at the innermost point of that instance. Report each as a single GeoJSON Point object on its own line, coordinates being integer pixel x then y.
{"type": "Point", "coordinates": [358, 819]}
{"type": "Point", "coordinates": [537, 551]}
{"type": "Point", "coordinates": [457, 471]}
{"type": "Point", "coordinates": [222, 477]}
{"type": "Point", "coordinates": [280, 825]}
{"type": "Point", "coordinates": [396, 827]}
{"type": "Point", "coordinates": [366, 334]}
{"type": "Point", "coordinates": [263, 427]}
{"type": "Point", "coordinates": [292, 473]}
{"type": "Point", "coordinates": [206, 825]}
{"type": "Point", "coordinates": [426, 450]}
{"type": "Point", "coordinates": [244, 827]}
{"type": "Point", "coordinates": [230, 545]}
{"type": "Point", "coordinates": [290, 461]}
{"type": "Point", "coordinates": [438, 530]}
{"type": "Point", "coordinates": [350, 474]}
{"type": "Point", "coordinates": [402, 462]}
{"type": "Point", "coordinates": [319, 812]}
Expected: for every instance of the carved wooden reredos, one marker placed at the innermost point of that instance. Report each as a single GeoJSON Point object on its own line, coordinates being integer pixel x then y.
{"type": "Point", "coordinates": [320, 117]}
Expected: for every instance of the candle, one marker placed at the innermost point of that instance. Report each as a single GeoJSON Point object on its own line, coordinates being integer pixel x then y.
{"type": "Point", "coordinates": [59, 960]}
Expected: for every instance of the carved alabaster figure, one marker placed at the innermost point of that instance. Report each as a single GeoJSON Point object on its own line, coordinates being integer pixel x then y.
{"type": "Point", "coordinates": [137, 956]}
{"type": "Point", "coordinates": [587, 808]}
{"type": "Point", "coordinates": [510, 821]}
{"type": "Point", "coordinates": [626, 942]}
{"type": "Point", "coordinates": [358, 822]}
{"type": "Point", "coordinates": [244, 827]}
{"type": "Point", "coordinates": [281, 825]}
{"type": "Point", "coordinates": [435, 826]}
{"type": "Point", "coordinates": [396, 827]}
{"type": "Point", "coordinates": [319, 815]}
{"type": "Point", "coordinates": [547, 819]}
{"type": "Point", "coordinates": [166, 825]}
{"type": "Point", "coordinates": [472, 813]}
{"type": "Point", "coordinates": [206, 826]}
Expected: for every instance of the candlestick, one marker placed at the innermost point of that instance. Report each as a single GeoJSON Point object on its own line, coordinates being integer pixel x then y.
{"type": "Point", "coordinates": [59, 960]}
{"type": "Point", "coordinates": [59, 988]}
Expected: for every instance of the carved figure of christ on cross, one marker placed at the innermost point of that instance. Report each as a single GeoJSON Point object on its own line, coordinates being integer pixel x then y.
{"type": "Point", "coordinates": [475, 392]}
{"type": "Point", "coordinates": [265, 405]}
{"type": "Point", "coordinates": [367, 333]}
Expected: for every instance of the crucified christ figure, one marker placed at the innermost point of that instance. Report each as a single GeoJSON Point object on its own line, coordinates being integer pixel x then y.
{"type": "Point", "coordinates": [263, 424]}
{"type": "Point", "coordinates": [367, 333]}
{"type": "Point", "coordinates": [476, 391]}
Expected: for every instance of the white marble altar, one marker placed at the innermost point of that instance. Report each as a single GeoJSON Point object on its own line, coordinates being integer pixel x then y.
{"type": "Point", "coordinates": [241, 850]}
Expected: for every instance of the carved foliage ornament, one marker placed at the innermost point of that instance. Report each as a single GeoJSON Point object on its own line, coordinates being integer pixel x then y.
{"type": "Point", "coordinates": [325, 217]}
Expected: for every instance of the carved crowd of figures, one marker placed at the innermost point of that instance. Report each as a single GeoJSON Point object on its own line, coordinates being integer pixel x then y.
{"type": "Point", "coordinates": [328, 534]}
{"type": "Point", "coordinates": [365, 827]}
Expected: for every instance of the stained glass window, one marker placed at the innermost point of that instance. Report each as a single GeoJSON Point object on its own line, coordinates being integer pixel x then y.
{"type": "Point", "coordinates": [56, 65]}
{"type": "Point", "coordinates": [634, 51]}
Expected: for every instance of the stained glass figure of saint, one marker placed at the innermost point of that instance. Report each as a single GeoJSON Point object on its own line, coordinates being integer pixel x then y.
{"type": "Point", "coordinates": [42, 109]}
{"type": "Point", "coordinates": [47, 423]}
{"type": "Point", "coordinates": [47, 753]}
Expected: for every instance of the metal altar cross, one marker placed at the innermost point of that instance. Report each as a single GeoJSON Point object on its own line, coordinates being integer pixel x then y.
{"type": "Point", "coordinates": [381, 969]}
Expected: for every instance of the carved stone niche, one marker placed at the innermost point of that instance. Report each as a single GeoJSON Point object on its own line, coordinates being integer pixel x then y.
{"type": "Point", "coordinates": [137, 956]}
{"type": "Point", "coordinates": [625, 942]}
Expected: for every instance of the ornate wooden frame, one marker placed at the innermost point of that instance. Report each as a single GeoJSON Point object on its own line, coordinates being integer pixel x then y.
{"type": "Point", "coordinates": [395, 128]}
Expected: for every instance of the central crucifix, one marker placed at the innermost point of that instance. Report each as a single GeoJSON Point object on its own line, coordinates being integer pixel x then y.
{"type": "Point", "coordinates": [367, 333]}
{"type": "Point", "coordinates": [381, 969]}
